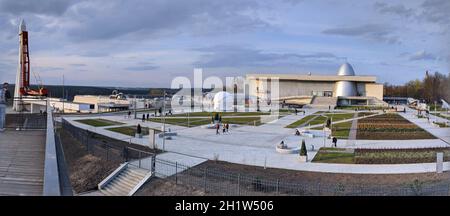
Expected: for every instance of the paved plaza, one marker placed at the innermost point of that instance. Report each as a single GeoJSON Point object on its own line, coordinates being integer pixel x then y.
{"type": "Point", "coordinates": [255, 145]}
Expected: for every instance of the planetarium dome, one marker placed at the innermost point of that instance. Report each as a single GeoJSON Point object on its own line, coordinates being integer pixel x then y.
{"type": "Point", "coordinates": [345, 88]}
{"type": "Point", "coordinates": [346, 70]}
{"type": "Point", "coordinates": [223, 101]}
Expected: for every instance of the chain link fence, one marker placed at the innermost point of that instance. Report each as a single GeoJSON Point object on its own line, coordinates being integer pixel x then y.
{"type": "Point", "coordinates": [225, 183]}
{"type": "Point", "coordinates": [214, 181]}
{"type": "Point", "coordinates": [104, 147]}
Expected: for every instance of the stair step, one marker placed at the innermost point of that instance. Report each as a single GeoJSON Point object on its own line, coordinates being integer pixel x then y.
{"type": "Point", "coordinates": [109, 192]}
{"type": "Point", "coordinates": [124, 183]}
{"type": "Point", "coordinates": [122, 186]}
{"type": "Point", "coordinates": [134, 174]}
{"type": "Point", "coordinates": [137, 171]}
{"type": "Point", "coordinates": [130, 178]}
{"type": "Point", "coordinates": [106, 192]}
{"type": "Point", "coordinates": [117, 190]}
{"type": "Point", "coordinates": [125, 180]}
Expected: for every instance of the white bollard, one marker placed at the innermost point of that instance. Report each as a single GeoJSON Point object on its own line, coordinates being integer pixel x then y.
{"type": "Point", "coordinates": [439, 162]}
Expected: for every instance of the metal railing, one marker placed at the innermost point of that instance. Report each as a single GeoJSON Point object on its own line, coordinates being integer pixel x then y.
{"type": "Point", "coordinates": [51, 171]}
{"type": "Point", "coordinates": [218, 181]}
{"type": "Point", "coordinates": [110, 150]}
{"type": "Point", "coordinates": [221, 182]}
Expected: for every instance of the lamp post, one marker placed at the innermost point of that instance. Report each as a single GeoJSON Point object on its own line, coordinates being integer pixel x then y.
{"type": "Point", "coordinates": [164, 121]}
{"type": "Point", "coordinates": [435, 111]}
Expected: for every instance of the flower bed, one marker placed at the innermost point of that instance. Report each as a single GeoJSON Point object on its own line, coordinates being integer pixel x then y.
{"type": "Point", "coordinates": [399, 156]}
{"type": "Point", "coordinates": [390, 126]}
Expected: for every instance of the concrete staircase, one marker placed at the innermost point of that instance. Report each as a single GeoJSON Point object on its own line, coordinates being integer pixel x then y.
{"type": "Point", "coordinates": [323, 102]}
{"type": "Point", "coordinates": [124, 181]}
{"type": "Point", "coordinates": [373, 101]}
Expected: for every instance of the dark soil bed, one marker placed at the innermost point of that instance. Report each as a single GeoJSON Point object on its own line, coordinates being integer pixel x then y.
{"type": "Point", "coordinates": [85, 170]}
{"type": "Point", "coordinates": [299, 176]}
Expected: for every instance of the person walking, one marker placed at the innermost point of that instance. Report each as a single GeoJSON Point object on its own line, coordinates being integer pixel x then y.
{"type": "Point", "coordinates": [148, 116]}
{"type": "Point", "coordinates": [335, 141]}
{"type": "Point", "coordinates": [143, 117]}
{"type": "Point", "coordinates": [217, 129]}
{"type": "Point", "coordinates": [129, 114]}
{"type": "Point", "coordinates": [227, 126]}
{"type": "Point", "coordinates": [223, 128]}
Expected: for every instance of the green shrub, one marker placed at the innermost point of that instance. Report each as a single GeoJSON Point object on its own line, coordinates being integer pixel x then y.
{"type": "Point", "coordinates": [303, 151]}
{"type": "Point", "coordinates": [138, 130]}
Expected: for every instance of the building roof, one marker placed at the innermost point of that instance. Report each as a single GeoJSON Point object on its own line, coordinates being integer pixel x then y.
{"type": "Point", "coordinates": [317, 78]}
{"type": "Point", "coordinates": [346, 70]}
{"type": "Point", "coordinates": [345, 73]}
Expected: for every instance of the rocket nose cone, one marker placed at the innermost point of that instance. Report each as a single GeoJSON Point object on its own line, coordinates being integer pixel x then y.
{"type": "Point", "coordinates": [22, 26]}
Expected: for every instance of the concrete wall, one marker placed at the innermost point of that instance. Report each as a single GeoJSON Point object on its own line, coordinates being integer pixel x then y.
{"type": "Point", "coordinates": [292, 88]}
{"type": "Point", "coordinates": [94, 99]}
{"type": "Point", "coordinates": [374, 90]}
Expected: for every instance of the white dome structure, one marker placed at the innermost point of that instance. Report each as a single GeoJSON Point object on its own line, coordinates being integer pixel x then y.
{"type": "Point", "coordinates": [345, 88]}
{"type": "Point", "coordinates": [346, 70]}
{"type": "Point", "coordinates": [223, 101]}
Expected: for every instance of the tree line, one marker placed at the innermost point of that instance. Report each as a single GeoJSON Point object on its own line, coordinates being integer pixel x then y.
{"type": "Point", "coordinates": [433, 87]}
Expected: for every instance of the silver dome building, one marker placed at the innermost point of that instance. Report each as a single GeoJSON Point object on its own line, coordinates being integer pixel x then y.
{"type": "Point", "coordinates": [345, 88]}
{"type": "Point", "coordinates": [309, 89]}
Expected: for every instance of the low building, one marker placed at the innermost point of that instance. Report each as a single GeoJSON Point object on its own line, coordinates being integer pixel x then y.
{"type": "Point", "coordinates": [103, 103]}
{"type": "Point", "coordinates": [343, 89]}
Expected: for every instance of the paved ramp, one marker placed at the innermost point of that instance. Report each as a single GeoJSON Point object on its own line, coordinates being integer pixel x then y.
{"type": "Point", "coordinates": [22, 162]}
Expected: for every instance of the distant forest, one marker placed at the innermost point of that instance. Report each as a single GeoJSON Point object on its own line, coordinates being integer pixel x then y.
{"type": "Point", "coordinates": [433, 87]}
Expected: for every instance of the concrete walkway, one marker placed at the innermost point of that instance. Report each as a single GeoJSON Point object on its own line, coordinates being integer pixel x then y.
{"type": "Point", "coordinates": [252, 145]}
{"type": "Point", "coordinates": [441, 133]}
{"type": "Point", "coordinates": [353, 130]}
{"type": "Point", "coordinates": [22, 155]}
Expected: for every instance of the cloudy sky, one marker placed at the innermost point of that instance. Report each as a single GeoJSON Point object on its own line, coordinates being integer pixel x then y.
{"type": "Point", "coordinates": [145, 43]}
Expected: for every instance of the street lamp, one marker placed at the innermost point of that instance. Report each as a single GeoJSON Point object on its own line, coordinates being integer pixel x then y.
{"type": "Point", "coordinates": [435, 111]}
{"type": "Point", "coordinates": [164, 121]}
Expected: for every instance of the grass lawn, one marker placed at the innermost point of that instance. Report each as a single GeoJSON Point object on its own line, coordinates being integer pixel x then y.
{"type": "Point", "coordinates": [243, 121]}
{"type": "Point", "coordinates": [318, 120]}
{"type": "Point", "coordinates": [301, 121]}
{"type": "Point", "coordinates": [99, 122]}
{"type": "Point", "coordinates": [334, 155]}
{"type": "Point", "coordinates": [340, 116]}
{"type": "Point", "coordinates": [131, 130]}
{"type": "Point", "coordinates": [360, 108]}
{"type": "Point", "coordinates": [441, 124]}
{"type": "Point", "coordinates": [193, 122]}
{"type": "Point", "coordinates": [342, 130]}
{"type": "Point", "coordinates": [362, 114]}
{"type": "Point", "coordinates": [204, 114]}
{"type": "Point", "coordinates": [379, 156]}
{"type": "Point", "coordinates": [439, 115]}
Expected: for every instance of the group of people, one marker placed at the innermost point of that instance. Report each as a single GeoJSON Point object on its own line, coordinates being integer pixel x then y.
{"type": "Point", "coordinates": [302, 111]}
{"type": "Point", "coordinates": [147, 116]}
{"type": "Point", "coordinates": [225, 128]}
{"type": "Point", "coordinates": [334, 139]}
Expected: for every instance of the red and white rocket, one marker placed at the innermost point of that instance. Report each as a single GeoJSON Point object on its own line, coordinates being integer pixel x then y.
{"type": "Point", "coordinates": [22, 87]}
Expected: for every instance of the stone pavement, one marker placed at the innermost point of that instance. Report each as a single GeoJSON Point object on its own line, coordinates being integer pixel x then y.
{"type": "Point", "coordinates": [252, 145]}
{"type": "Point", "coordinates": [441, 133]}
{"type": "Point", "coordinates": [22, 155]}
